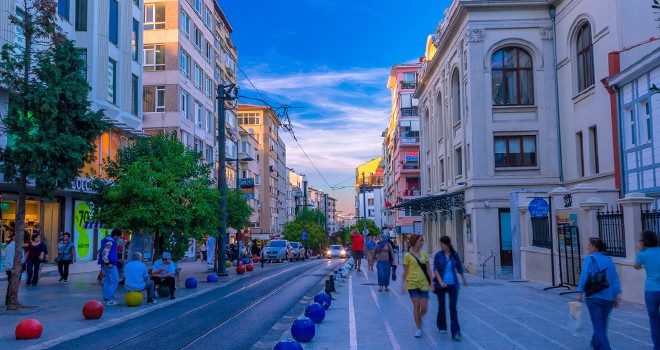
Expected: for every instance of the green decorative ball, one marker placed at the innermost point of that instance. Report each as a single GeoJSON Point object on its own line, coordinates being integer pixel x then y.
{"type": "Point", "coordinates": [163, 291]}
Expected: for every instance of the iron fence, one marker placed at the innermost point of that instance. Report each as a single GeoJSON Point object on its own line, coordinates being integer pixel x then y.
{"type": "Point", "coordinates": [651, 220]}
{"type": "Point", "coordinates": [541, 233]}
{"type": "Point", "coordinates": [610, 230]}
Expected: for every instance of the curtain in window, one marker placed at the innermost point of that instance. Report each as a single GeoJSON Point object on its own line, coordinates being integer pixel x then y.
{"type": "Point", "coordinates": [500, 151]}
{"type": "Point", "coordinates": [529, 150]}
{"type": "Point", "coordinates": [512, 77]}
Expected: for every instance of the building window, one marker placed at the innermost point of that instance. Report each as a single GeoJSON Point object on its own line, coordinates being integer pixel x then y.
{"type": "Point", "coordinates": [442, 170]}
{"type": "Point", "coordinates": [458, 162]}
{"type": "Point", "coordinates": [512, 78]}
{"type": "Point", "coordinates": [134, 94]}
{"type": "Point", "coordinates": [209, 121]}
{"type": "Point", "coordinates": [112, 81]}
{"type": "Point", "coordinates": [248, 119]}
{"type": "Point", "coordinates": [199, 145]}
{"type": "Point", "coordinates": [135, 38]}
{"type": "Point", "coordinates": [198, 6]}
{"type": "Point", "coordinates": [645, 107]}
{"type": "Point", "coordinates": [186, 139]}
{"type": "Point", "coordinates": [593, 145]}
{"type": "Point", "coordinates": [137, 3]}
{"type": "Point", "coordinates": [153, 99]}
{"type": "Point", "coordinates": [515, 151]}
{"type": "Point", "coordinates": [409, 105]}
{"type": "Point", "coordinates": [113, 31]}
{"type": "Point", "coordinates": [208, 52]}
{"type": "Point", "coordinates": [209, 154]}
{"type": "Point", "coordinates": [63, 8]}
{"type": "Point", "coordinates": [154, 16]}
{"type": "Point", "coordinates": [184, 23]}
{"type": "Point", "coordinates": [455, 98]}
{"type": "Point", "coordinates": [370, 201]}
{"type": "Point", "coordinates": [209, 18]}
{"type": "Point", "coordinates": [585, 57]}
{"type": "Point", "coordinates": [198, 76]}
{"type": "Point", "coordinates": [199, 114]}
{"type": "Point", "coordinates": [154, 57]}
{"type": "Point", "coordinates": [208, 86]}
{"type": "Point", "coordinates": [579, 152]}
{"type": "Point", "coordinates": [81, 15]}
{"type": "Point", "coordinates": [198, 39]}
{"type": "Point", "coordinates": [184, 62]}
{"type": "Point", "coordinates": [631, 129]}
{"type": "Point", "coordinates": [184, 106]}
{"type": "Point", "coordinates": [19, 37]}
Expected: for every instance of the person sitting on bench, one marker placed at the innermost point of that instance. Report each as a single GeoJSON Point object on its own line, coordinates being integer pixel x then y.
{"type": "Point", "coordinates": [163, 273]}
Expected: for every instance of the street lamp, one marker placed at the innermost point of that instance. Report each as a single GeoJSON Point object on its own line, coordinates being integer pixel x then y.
{"type": "Point", "coordinates": [237, 160]}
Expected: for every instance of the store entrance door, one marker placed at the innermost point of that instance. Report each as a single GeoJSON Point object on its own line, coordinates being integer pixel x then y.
{"type": "Point", "coordinates": [506, 246]}
{"type": "Point", "coordinates": [51, 228]}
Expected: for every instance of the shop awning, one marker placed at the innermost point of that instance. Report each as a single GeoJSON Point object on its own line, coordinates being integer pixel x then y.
{"type": "Point", "coordinates": [92, 225]}
{"type": "Point", "coordinates": [443, 203]}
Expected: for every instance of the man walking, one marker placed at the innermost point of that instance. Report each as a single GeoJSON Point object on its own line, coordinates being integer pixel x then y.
{"type": "Point", "coordinates": [108, 261]}
{"type": "Point", "coordinates": [137, 277]}
{"type": "Point", "coordinates": [357, 248]}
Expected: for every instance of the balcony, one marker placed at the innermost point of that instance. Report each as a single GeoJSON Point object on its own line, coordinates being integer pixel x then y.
{"type": "Point", "coordinates": [410, 166]}
{"type": "Point", "coordinates": [409, 111]}
{"type": "Point", "coordinates": [410, 193]}
{"type": "Point", "coordinates": [408, 84]}
{"type": "Point", "coordinates": [409, 137]}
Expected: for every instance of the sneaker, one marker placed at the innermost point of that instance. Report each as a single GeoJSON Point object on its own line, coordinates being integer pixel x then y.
{"type": "Point", "coordinates": [61, 279]}
{"type": "Point", "coordinates": [151, 301]}
{"type": "Point", "coordinates": [172, 297]}
{"type": "Point", "coordinates": [387, 289]}
{"type": "Point", "coordinates": [112, 303]}
{"type": "Point", "coordinates": [64, 281]}
{"type": "Point", "coordinates": [418, 334]}
{"type": "Point", "coordinates": [457, 337]}
{"type": "Point", "coordinates": [380, 289]}
{"type": "Point", "coordinates": [443, 331]}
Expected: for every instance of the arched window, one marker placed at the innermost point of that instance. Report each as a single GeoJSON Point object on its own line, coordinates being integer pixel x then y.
{"type": "Point", "coordinates": [513, 82]}
{"type": "Point", "coordinates": [426, 131]}
{"type": "Point", "coordinates": [438, 108]}
{"type": "Point", "coordinates": [455, 98]}
{"type": "Point", "coordinates": [585, 57]}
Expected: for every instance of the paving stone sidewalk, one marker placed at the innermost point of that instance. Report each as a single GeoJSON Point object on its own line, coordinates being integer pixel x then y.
{"type": "Point", "coordinates": [493, 314]}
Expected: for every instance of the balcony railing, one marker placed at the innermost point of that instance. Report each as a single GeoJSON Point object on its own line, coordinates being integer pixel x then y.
{"type": "Point", "coordinates": [408, 111]}
{"type": "Point", "coordinates": [410, 165]}
{"type": "Point", "coordinates": [410, 193]}
{"type": "Point", "coordinates": [408, 84]}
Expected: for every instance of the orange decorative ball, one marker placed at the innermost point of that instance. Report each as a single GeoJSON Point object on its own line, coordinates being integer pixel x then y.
{"type": "Point", "coordinates": [92, 310]}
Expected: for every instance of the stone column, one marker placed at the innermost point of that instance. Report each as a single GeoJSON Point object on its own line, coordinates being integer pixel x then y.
{"type": "Point", "coordinates": [589, 221]}
{"type": "Point", "coordinates": [632, 220]}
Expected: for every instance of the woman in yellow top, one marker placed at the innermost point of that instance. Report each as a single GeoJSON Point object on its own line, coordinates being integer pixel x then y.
{"type": "Point", "coordinates": [416, 273]}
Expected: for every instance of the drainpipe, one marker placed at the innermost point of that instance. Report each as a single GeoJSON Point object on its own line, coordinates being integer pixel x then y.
{"type": "Point", "coordinates": [553, 15]}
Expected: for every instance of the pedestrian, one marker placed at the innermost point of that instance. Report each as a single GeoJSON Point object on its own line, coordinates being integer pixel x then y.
{"type": "Point", "coordinates": [416, 272]}
{"type": "Point", "coordinates": [446, 267]}
{"type": "Point", "coordinates": [137, 277]}
{"type": "Point", "coordinates": [108, 261]}
{"type": "Point", "coordinates": [357, 248]}
{"type": "Point", "coordinates": [10, 251]}
{"type": "Point", "coordinates": [37, 253]}
{"type": "Point", "coordinates": [600, 297]}
{"type": "Point", "coordinates": [395, 258]}
{"type": "Point", "coordinates": [649, 258]}
{"type": "Point", "coordinates": [66, 254]}
{"type": "Point", "coordinates": [204, 249]}
{"type": "Point", "coordinates": [384, 258]}
{"type": "Point", "coordinates": [255, 250]}
{"type": "Point", "coordinates": [163, 273]}
{"type": "Point", "coordinates": [369, 246]}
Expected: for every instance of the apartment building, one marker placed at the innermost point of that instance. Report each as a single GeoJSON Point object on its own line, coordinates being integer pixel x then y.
{"type": "Point", "coordinates": [369, 199]}
{"type": "Point", "coordinates": [295, 196]}
{"type": "Point", "coordinates": [265, 124]}
{"type": "Point", "coordinates": [401, 166]}
{"type": "Point", "coordinates": [250, 177]}
{"type": "Point", "coordinates": [187, 54]}
{"type": "Point", "coordinates": [109, 34]}
{"type": "Point", "coordinates": [332, 220]}
{"type": "Point", "coordinates": [282, 183]}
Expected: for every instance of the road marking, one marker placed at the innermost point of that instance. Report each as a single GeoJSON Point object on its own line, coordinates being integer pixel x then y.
{"type": "Point", "coordinates": [351, 315]}
{"type": "Point", "coordinates": [509, 339]}
{"type": "Point", "coordinates": [388, 327]}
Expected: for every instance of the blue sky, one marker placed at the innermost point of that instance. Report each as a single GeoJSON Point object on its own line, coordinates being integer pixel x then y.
{"type": "Point", "coordinates": [333, 58]}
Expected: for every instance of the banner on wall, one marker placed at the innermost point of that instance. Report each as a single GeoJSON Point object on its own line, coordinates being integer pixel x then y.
{"type": "Point", "coordinates": [82, 236]}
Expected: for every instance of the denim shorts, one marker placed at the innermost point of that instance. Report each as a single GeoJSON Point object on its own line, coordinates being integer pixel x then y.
{"type": "Point", "coordinates": [418, 293]}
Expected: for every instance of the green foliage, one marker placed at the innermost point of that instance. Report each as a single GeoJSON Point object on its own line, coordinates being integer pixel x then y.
{"type": "Point", "coordinates": [238, 209]}
{"type": "Point", "coordinates": [371, 227]}
{"type": "Point", "coordinates": [158, 185]}
{"type": "Point", "coordinates": [315, 232]}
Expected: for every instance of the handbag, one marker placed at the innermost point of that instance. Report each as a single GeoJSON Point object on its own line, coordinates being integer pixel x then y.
{"type": "Point", "coordinates": [597, 281]}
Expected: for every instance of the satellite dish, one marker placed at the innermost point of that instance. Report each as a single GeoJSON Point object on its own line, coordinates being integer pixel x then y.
{"type": "Point", "coordinates": [250, 131]}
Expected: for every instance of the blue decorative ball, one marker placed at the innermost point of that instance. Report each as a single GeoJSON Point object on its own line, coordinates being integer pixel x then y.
{"type": "Point", "coordinates": [191, 283]}
{"type": "Point", "coordinates": [323, 299]}
{"type": "Point", "coordinates": [315, 312]}
{"type": "Point", "coordinates": [288, 344]}
{"type": "Point", "coordinates": [212, 278]}
{"type": "Point", "coordinates": [303, 329]}
{"type": "Point", "coordinates": [245, 261]}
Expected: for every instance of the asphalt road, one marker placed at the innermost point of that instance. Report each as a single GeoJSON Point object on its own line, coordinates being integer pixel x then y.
{"type": "Point", "coordinates": [233, 317]}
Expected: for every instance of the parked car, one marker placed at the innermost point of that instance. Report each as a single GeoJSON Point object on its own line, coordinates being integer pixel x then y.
{"type": "Point", "coordinates": [275, 250]}
{"type": "Point", "coordinates": [298, 250]}
{"type": "Point", "coordinates": [336, 250]}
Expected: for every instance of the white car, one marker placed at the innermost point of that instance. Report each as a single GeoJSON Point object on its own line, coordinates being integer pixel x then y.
{"type": "Point", "coordinates": [336, 250]}
{"type": "Point", "coordinates": [298, 250]}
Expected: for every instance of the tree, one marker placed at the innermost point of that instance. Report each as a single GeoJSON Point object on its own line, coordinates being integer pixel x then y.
{"type": "Point", "coordinates": [158, 185]}
{"type": "Point", "coordinates": [371, 227]}
{"type": "Point", "coordinates": [238, 209]}
{"type": "Point", "coordinates": [306, 221]}
{"type": "Point", "coordinates": [49, 125]}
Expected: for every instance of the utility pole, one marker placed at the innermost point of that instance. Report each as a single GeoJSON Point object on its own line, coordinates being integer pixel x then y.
{"type": "Point", "coordinates": [325, 206]}
{"type": "Point", "coordinates": [364, 201]}
{"type": "Point", "coordinates": [224, 93]}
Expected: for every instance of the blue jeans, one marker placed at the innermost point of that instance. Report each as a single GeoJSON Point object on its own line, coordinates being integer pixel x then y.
{"type": "Point", "coordinates": [384, 269]}
{"type": "Point", "coordinates": [599, 310]}
{"type": "Point", "coordinates": [441, 320]}
{"type": "Point", "coordinates": [110, 282]}
{"type": "Point", "coordinates": [653, 307]}
{"type": "Point", "coordinates": [33, 271]}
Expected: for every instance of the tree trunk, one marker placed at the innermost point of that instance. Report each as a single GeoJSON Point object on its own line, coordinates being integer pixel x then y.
{"type": "Point", "coordinates": [18, 245]}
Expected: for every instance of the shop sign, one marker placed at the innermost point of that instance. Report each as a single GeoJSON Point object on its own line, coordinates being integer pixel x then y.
{"type": "Point", "coordinates": [82, 184]}
{"type": "Point", "coordinates": [408, 140]}
{"type": "Point", "coordinates": [417, 227]}
{"type": "Point", "coordinates": [82, 236]}
{"type": "Point", "coordinates": [246, 183]}
{"type": "Point", "coordinates": [538, 208]}
{"type": "Point", "coordinates": [412, 156]}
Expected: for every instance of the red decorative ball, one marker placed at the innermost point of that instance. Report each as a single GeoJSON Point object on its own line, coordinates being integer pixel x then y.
{"type": "Point", "coordinates": [29, 329]}
{"type": "Point", "coordinates": [249, 267]}
{"type": "Point", "coordinates": [240, 263]}
{"type": "Point", "coordinates": [92, 310]}
{"type": "Point", "coordinates": [240, 270]}
{"type": "Point", "coordinates": [256, 259]}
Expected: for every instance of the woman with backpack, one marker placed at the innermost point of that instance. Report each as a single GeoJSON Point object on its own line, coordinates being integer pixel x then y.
{"type": "Point", "coordinates": [600, 283]}
{"type": "Point", "coordinates": [649, 259]}
{"type": "Point", "coordinates": [416, 272]}
{"type": "Point", "coordinates": [446, 268]}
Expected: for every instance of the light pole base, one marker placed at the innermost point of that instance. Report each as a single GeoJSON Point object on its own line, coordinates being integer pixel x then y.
{"type": "Point", "coordinates": [223, 274]}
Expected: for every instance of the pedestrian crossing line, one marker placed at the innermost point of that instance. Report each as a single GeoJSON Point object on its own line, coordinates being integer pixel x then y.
{"type": "Point", "coordinates": [351, 315]}
{"type": "Point", "coordinates": [519, 323]}
{"type": "Point", "coordinates": [509, 339]}
{"type": "Point", "coordinates": [388, 327]}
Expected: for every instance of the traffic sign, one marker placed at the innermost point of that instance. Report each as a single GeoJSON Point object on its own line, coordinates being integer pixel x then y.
{"type": "Point", "coordinates": [538, 208]}
{"type": "Point", "coordinates": [304, 235]}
